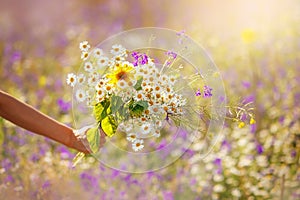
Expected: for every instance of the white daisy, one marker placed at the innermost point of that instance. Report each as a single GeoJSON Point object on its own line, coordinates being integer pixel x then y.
{"type": "Point", "coordinates": [158, 124]}
{"type": "Point", "coordinates": [139, 96]}
{"type": "Point", "coordinates": [156, 133]}
{"type": "Point", "coordinates": [100, 93]}
{"type": "Point", "coordinates": [71, 79]}
{"type": "Point", "coordinates": [137, 144]}
{"type": "Point", "coordinates": [80, 95]}
{"type": "Point", "coordinates": [118, 58]}
{"type": "Point", "coordinates": [118, 49]}
{"type": "Point", "coordinates": [98, 53]}
{"type": "Point", "coordinates": [146, 128]}
{"type": "Point", "coordinates": [88, 67]}
{"type": "Point", "coordinates": [101, 83]}
{"type": "Point", "coordinates": [80, 78]}
{"type": "Point", "coordinates": [92, 80]}
{"type": "Point", "coordinates": [131, 137]}
{"type": "Point", "coordinates": [102, 61]}
{"type": "Point", "coordinates": [84, 46]}
{"type": "Point", "coordinates": [108, 88]}
{"type": "Point", "coordinates": [84, 55]}
{"type": "Point", "coordinates": [122, 84]}
{"type": "Point", "coordinates": [172, 80]}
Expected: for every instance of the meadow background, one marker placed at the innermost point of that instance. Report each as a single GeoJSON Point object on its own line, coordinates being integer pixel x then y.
{"type": "Point", "coordinates": [255, 44]}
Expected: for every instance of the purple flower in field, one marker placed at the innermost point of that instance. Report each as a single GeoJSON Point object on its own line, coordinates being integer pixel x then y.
{"type": "Point", "coordinates": [171, 54]}
{"type": "Point", "coordinates": [35, 157]}
{"type": "Point", "coordinates": [249, 99]}
{"type": "Point", "coordinates": [180, 33]}
{"type": "Point", "coordinates": [207, 91]}
{"type": "Point", "coordinates": [246, 84]}
{"type": "Point", "coordinates": [88, 181]}
{"type": "Point", "coordinates": [226, 144]}
{"type": "Point", "coordinates": [293, 153]}
{"type": "Point", "coordinates": [65, 153]}
{"type": "Point", "coordinates": [63, 105]}
{"type": "Point", "coordinates": [253, 128]}
{"type": "Point", "coordinates": [218, 162]}
{"type": "Point", "coordinates": [259, 148]}
{"type": "Point", "coordinates": [16, 56]}
{"type": "Point", "coordinates": [46, 184]}
{"type": "Point", "coordinates": [167, 195]}
{"type": "Point", "coordinates": [6, 164]}
{"type": "Point", "coordinates": [281, 119]}
{"type": "Point", "coordinates": [9, 179]}
{"type": "Point", "coordinates": [198, 93]}
{"type": "Point", "coordinates": [115, 173]}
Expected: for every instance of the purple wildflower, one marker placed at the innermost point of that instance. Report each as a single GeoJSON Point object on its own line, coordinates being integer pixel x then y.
{"type": "Point", "coordinates": [207, 91]}
{"type": "Point", "coordinates": [171, 54]}
{"type": "Point", "coordinates": [46, 184]}
{"type": "Point", "coordinates": [16, 56]}
{"type": "Point", "coordinates": [63, 105]}
{"type": "Point", "coordinates": [180, 33]}
{"type": "Point", "coordinates": [218, 162]}
{"type": "Point", "coordinates": [139, 58]}
{"type": "Point", "coordinates": [259, 148]}
{"type": "Point", "coordinates": [198, 93]}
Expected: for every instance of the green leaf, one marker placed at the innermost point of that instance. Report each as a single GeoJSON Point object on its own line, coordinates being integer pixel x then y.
{"type": "Point", "coordinates": [100, 110]}
{"type": "Point", "coordinates": [138, 85]}
{"type": "Point", "coordinates": [116, 103]}
{"type": "Point", "coordinates": [77, 158]}
{"type": "Point", "coordinates": [137, 108]}
{"type": "Point", "coordinates": [93, 137]}
{"type": "Point", "coordinates": [109, 125]}
{"type": "Point", "coordinates": [144, 104]}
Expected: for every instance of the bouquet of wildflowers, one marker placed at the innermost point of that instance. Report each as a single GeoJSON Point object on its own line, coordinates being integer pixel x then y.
{"type": "Point", "coordinates": [130, 97]}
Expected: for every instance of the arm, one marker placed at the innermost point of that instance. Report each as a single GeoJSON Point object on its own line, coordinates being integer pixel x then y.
{"type": "Point", "coordinates": [29, 118]}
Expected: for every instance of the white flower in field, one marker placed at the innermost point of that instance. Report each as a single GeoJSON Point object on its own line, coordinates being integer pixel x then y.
{"type": "Point", "coordinates": [245, 161]}
{"type": "Point", "coordinates": [131, 137]}
{"type": "Point", "coordinates": [218, 178]}
{"type": "Point", "coordinates": [84, 46]}
{"type": "Point", "coordinates": [218, 188]}
{"type": "Point", "coordinates": [80, 78]}
{"type": "Point", "coordinates": [84, 55]}
{"type": "Point", "coordinates": [88, 67]}
{"type": "Point", "coordinates": [98, 53]}
{"type": "Point", "coordinates": [71, 79]}
{"type": "Point", "coordinates": [146, 128]}
{"type": "Point", "coordinates": [235, 192]}
{"type": "Point", "coordinates": [137, 144]}
{"type": "Point", "coordinates": [118, 49]}
{"type": "Point", "coordinates": [80, 95]}
{"type": "Point", "coordinates": [262, 161]}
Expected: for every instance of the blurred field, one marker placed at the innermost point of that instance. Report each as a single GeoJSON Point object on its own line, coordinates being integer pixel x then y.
{"type": "Point", "coordinates": [256, 46]}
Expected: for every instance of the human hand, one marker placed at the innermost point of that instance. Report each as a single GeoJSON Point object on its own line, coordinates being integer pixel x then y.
{"type": "Point", "coordinates": [81, 143]}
